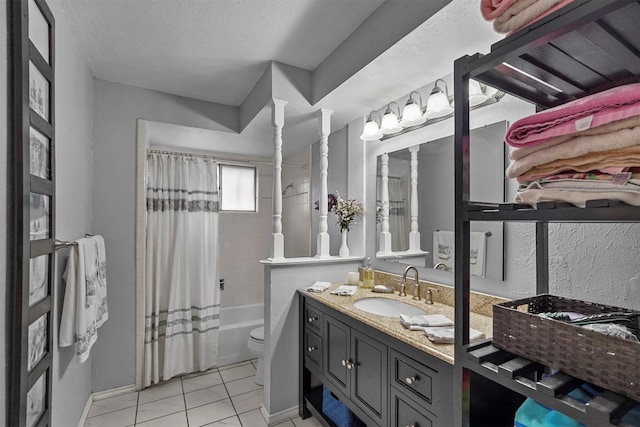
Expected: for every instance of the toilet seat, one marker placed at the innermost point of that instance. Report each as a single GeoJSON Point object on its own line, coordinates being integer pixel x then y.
{"type": "Point", "coordinates": [257, 334]}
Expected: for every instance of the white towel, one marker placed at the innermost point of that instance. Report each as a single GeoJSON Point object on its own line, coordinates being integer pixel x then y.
{"type": "Point", "coordinates": [319, 286]}
{"type": "Point", "coordinates": [78, 322]}
{"type": "Point", "coordinates": [91, 269]}
{"type": "Point", "coordinates": [444, 248]}
{"type": "Point", "coordinates": [345, 290]}
{"type": "Point", "coordinates": [477, 250]}
{"type": "Point", "coordinates": [102, 310]}
{"type": "Point", "coordinates": [447, 335]}
{"type": "Point", "coordinates": [425, 320]}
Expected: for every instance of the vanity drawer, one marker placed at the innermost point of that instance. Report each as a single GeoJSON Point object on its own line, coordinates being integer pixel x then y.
{"type": "Point", "coordinates": [405, 412]}
{"type": "Point", "coordinates": [313, 350]}
{"type": "Point", "coordinates": [412, 376]}
{"type": "Point", "coordinates": [313, 318]}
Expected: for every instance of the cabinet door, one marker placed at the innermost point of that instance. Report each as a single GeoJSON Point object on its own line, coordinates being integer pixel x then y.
{"type": "Point", "coordinates": [369, 375]}
{"type": "Point", "coordinates": [337, 361]}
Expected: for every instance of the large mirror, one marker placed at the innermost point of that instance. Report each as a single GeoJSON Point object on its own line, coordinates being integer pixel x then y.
{"type": "Point", "coordinates": [415, 203]}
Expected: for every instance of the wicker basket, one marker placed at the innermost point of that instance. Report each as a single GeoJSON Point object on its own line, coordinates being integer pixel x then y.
{"type": "Point", "coordinates": [609, 362]}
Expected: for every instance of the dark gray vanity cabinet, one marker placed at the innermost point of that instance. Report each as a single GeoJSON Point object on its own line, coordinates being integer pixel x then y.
{"type": "Point", "coordinates": [357, 366]}
{"type": "Point", "coordinates": [384, 381]}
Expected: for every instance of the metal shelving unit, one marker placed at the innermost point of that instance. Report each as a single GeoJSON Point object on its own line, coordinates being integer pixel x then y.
{"type": "Point", "coordinates": [584, 48]}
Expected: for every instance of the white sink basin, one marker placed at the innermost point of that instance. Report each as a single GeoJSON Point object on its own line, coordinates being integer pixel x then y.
{"type": "Point", "coordinates": [387, 307]}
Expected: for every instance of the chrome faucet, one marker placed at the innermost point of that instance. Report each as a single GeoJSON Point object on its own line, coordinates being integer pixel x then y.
{"type": "Point", "coordinates": [416, 288]}
{"type": "Point", "coordinates": [441, 266]}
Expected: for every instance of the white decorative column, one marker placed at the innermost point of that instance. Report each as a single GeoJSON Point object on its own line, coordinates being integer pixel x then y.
{"type": "Point", "coordinates": [322, 250]}
{"type": "Point", "coordinates": [385, 235]}
{"type": "Point", "coordinates": [277, 121]}
{"type": "Point", "coordinates": [414, 235]}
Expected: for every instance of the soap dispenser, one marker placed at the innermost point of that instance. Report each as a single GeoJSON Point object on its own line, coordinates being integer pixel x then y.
{"type": "Point", "coordinates": [367, 275]}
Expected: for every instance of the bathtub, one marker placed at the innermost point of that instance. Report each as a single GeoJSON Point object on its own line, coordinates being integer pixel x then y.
{"type": "Point", "coordinates": [235, 325]}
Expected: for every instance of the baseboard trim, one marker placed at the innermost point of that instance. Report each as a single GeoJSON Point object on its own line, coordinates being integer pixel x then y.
{"type": "Point", "coordinates": [278, 416]}
{"type": "Point", "coordinates": [85, 412]}
{"type": "Point", "coordinates": [103, 395]}
{"type": "Point", "coordinates": [113, 392]}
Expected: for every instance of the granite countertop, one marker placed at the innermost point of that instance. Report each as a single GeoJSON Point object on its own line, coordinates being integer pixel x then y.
{"type": "Point", "coordinates": [392, 325]}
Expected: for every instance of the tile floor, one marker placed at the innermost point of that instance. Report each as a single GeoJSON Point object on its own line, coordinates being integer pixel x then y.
{"type": "Point", "coordinates": [225, 396]}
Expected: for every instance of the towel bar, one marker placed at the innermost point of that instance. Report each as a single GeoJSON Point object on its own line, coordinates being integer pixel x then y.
{"type": "Point", "coordinates": [486, 233]}
{"type": "Point", "coordinates": [59, 244]}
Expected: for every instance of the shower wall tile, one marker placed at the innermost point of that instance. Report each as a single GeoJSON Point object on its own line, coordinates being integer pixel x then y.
{"type": "Point", "coordinates": [244, 241]}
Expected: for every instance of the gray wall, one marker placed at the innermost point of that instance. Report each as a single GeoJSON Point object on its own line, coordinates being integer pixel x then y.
{"type": "Point", "coordinates": [116, 109]}
{"type": "Point", "coordinates": [74, 192]}
{"type": "Point", "coordinates": [336, 183]}
{"type": "Point", "coordinates": [3, 206]}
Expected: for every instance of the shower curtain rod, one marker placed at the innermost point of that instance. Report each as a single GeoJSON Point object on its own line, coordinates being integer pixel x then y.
{"type": "Point", "coordinates": [221, 158]}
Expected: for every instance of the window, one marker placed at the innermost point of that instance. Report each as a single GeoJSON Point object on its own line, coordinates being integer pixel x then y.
{"type": "Point", "coordinates": [237, 188]}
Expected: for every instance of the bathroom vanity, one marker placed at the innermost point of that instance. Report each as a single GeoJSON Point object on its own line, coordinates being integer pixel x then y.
{"type": "Point", "coordinates": [386, 374]}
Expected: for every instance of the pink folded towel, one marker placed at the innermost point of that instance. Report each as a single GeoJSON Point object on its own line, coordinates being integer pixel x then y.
{"type": "Point", "coordinates": [524, 13]}
{"type": "Point", "coordinates": [581, 114]}
{"type": "Point", "coordinates": [492, 9]}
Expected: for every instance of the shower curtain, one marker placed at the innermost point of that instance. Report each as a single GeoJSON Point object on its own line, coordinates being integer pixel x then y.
{"type": "Point", "coordinates": [182, 290]}
{"type": "Point", "coordinates": [398, 215]}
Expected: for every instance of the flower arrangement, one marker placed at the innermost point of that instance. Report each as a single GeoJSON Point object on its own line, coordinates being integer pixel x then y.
{"type": "Point", "coordinates": [347, 211]}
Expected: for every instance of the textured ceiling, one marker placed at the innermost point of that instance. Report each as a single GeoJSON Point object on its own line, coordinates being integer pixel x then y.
{"type": "Point", "coordinates": [214, 50]}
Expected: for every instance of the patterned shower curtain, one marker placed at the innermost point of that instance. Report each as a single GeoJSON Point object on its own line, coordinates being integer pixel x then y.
{"type": "Point", "coordinates": [398, 215]}
{"type": "Point", "coordinates": [182, 291]}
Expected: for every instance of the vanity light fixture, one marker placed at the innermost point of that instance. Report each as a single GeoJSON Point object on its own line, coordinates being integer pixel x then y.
{"type": "Point", "coordinates": [438, 104]}
{"type": "Point", "coordinates": [414, 115]}
{"type": "Point", "coordinates": [390, 123]}
{"type": "Point", "coordinates": [412, 112]}
{"type": "Point", "coordinates": [476, 95]}
{"type": "Point", "coordinates": [371, 129]}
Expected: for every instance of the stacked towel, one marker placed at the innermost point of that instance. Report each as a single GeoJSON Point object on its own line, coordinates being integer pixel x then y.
{"type": "Point", "coordinates": [508, 16]}
{"type": "Point", "coordinates": [345, 290]}
{"type": "Point", "coordinates": [584, 150]}
{"type": "Point", "coordinates": [447, 335]}
{"type": "Point", "coordinates": [319, 287]}
{"type": "Point", "coordinates": [418, 323]}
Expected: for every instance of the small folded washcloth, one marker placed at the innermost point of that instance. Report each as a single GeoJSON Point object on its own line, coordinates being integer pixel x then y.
{"type": "Point", "coordinates": [425, 320]}
{"type": "Point", "coordinates": [319, 286]}
{"type": "Point", "coordinates": [345, 290]}
{"type": "Point", "coordinates": [447, 335]}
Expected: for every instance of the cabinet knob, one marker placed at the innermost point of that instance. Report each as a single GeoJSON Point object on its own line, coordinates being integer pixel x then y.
{"type": "Point", "coordinates": [346, 363]}
{"type": "Point", "coordinates": [312, 319]}
{"type": "Point", "coordinates": [311, 348]}
{"type": "Point", "coordinates": [411, 380]}
{"type": "Point", "coordinates": [411, 425]}
{"type": "Point", "coordinates": [349, 365]}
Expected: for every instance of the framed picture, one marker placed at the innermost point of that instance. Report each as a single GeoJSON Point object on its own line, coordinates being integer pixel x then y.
{"type": "Point", "coordinates": [38, 276]}
{"type": "Point", "coordinates": [38, 30]}
{"type": "Point", "coordinates": [38, 92]}
{"type": "Point", "coordinates": [37, 341]}
{"type": "Point", "coordinates": [39, 222]}
{"type": "Point", "coordinates": [39, 150]}
{"type": "Point", "coordinates": [36, 400]}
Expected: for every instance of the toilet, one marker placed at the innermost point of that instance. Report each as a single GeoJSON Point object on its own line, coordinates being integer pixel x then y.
{"type": "Point", "coordinates": [256, 347]}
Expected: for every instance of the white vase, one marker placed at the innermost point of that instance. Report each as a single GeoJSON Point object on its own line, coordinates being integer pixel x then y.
{"type": "Point", "coordinates": [344, 249]}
